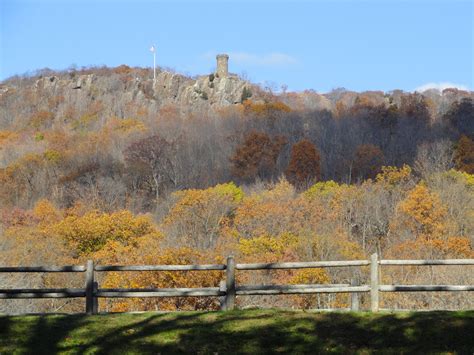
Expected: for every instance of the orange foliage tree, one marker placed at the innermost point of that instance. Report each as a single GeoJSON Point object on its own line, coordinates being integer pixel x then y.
{"type": "Point", "coordinates": [423, 226]}
{"type": "Point", "coordinates": [271, 109]}
{"type": "Point", "coordinates": [464, 156]}
{"type": "Point", "coordinates": [368, 160]}
{"type": "Point", "coordinates": [257, 156]}
{"type": "Point", "coordinates": [304, 166]}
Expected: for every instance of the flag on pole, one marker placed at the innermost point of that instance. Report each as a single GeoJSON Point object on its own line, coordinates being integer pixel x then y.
{"type": "Point", "coordinates": [152, 49]}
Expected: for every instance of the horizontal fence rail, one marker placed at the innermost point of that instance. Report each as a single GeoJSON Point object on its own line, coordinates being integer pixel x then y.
{"type": "Point", "coordinates": [160, 292]}
{"type": "Point", "coordinates": [428, 262]}
{"type": "Point", "coordinates": [228, 290]}
{"type": "Point", "coordinates": [301, 265]}
{"type": "Point", "coordinates": [297, 289]}
{"type": "Point", "coordinates": [424, 288]}
{"type": "Point", "coordinates": [42, 293]}
{"type": "Point", "coordinates": [78, 268]}
{"type": "Point", "coordinates": [160, 267]}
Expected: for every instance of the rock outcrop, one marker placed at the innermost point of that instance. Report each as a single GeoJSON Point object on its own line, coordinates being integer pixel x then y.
{"type": "Point", "coordinates": [115, 92]}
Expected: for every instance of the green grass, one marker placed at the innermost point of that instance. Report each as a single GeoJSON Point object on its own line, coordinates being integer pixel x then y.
{"type": "Point", "coordinates": [249, 331]}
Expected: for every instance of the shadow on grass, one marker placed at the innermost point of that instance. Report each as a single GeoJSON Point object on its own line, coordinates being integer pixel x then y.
{"type": "Point", "coordinates": [251, 331]}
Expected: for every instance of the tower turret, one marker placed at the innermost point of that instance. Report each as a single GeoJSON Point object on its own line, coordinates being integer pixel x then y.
{"type": "Point", "coordinates": [222, 65]}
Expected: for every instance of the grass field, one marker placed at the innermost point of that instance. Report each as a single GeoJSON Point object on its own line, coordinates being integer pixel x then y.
{"type": "Point", "coordinates": [249, 331]}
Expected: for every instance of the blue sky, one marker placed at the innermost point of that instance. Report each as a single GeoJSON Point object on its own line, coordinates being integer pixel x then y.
{"type": "Point", "coordinates": [320, 45]}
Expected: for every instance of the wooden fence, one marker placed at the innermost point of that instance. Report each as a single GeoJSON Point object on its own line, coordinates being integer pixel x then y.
{"type": "Point", "coordinates": [228, 290]}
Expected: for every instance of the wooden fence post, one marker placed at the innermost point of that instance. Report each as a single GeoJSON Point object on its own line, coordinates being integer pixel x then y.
{"type": "Point", "coordinates": [374, 283]}
{"type": "Point", "coordinates": [90, 287]}
{"type": "Point", "coordinates": [354, 296]}
{"type": "Point", "coordinates": [95, 306]}
{"type": "Point", "coordinates": [222, 288]}
{"type": "Point", "coordinates": [229, 303]}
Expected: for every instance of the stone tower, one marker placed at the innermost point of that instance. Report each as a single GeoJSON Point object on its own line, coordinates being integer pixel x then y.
{"type": "Point", "coordinates": [222, 65]}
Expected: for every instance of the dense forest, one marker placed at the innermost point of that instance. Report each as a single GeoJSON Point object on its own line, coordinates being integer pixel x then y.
{"type": "Point", "coordinates": [90, 171]}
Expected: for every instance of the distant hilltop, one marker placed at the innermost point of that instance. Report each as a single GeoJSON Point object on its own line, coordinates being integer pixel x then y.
{"type": "Point", "coordinates": [124, 92]}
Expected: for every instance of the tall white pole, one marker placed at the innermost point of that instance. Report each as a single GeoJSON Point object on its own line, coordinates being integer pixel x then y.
{"type": "Point", "coordinates": [153, 50]}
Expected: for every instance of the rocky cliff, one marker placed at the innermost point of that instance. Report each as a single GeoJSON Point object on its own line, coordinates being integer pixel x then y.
{"type": "Point", "coordinates": [117, 92]}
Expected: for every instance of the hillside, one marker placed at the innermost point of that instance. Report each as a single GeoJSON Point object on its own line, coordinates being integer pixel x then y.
{"type": "Point", "coordinates": [101, 164]}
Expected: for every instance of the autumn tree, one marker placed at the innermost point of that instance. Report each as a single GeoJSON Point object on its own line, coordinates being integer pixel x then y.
{"type": "Point", "coordinates": [423, 213]}
{"type": "Point", "coordinates": [197, 215]}
{"type": "Point", "coordinates": [464, 155]}
{"type": "Point", "coordinates": [257, 156]}
{"type": "Point", "coordinates": [24, 180]}
{"type": "Point", "coordinates": [422, 222]}
{"type": "Point", "coordinates": [460, 115]}
{"type": "Point", "coordinates": [266, 211]}
{"type": "Point", "coordinates": [270, 109]}
{"type": "Point", "coordinates": [368, 160]}
{"type": "Point", "coordinates": [304, 166]}
{"type": "Point", "coordinates": [90, 232]}
{"type": "Point", "coordinates": [415, 106]}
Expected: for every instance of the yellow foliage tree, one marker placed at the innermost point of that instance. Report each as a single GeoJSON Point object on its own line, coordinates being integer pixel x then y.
{"type": "Point", "coordinates": [268, 212]}
{"type": "Point", "coordinates": [322, 189]}
{"type": "Point", "coordinates": [90, 232]}
{"type": "Point", "coordinates": [267, 248]}
{"type": "Point", "coordinates": [391, 175]}
{"type": "Point", "coordinates": [46, 214]}
{"type": "Point", "coordinates": [197, 215]}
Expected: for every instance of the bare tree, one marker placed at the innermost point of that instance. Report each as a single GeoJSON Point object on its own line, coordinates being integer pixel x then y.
{"type": "Point", "coordinates": [157, 156]}
{"type": "Point", "coordinates": [433, 158]}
